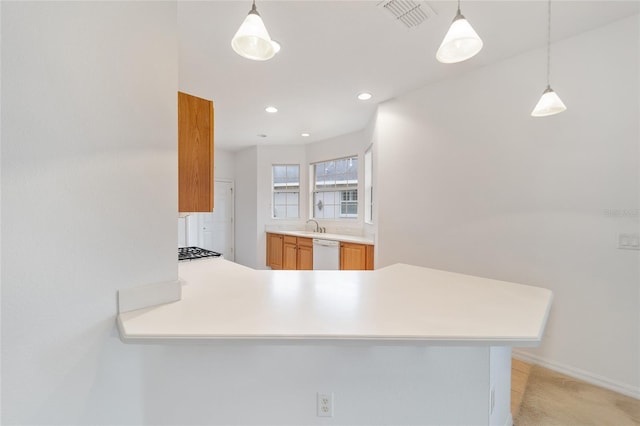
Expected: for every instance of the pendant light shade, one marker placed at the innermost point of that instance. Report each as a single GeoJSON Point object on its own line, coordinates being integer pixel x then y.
{"type": "Point", "coordinates": [549, 103]}
{"type": "Point", "coordinates": [252, 40]}
{"type": "Point", "coordinates": [460, 43]}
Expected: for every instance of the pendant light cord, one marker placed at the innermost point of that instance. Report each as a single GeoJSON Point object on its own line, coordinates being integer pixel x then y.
{"type": "Point", "coordinates": [548, 42]}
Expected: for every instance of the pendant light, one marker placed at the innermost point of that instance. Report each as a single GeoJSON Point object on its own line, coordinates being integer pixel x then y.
{"type": "Point", "coordinates": [252, 40]}
{"type": "Point", "coordinates": [549, 103]}
{"type": "Point", "coordinates": [460, 43]}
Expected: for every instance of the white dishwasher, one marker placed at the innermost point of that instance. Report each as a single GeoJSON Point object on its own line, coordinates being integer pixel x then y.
{"type": "Point", "coordinates": [326, 255]}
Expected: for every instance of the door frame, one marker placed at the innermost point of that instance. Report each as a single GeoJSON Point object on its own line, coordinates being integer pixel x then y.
{"type": "Point", "coordinates": [233, 213]}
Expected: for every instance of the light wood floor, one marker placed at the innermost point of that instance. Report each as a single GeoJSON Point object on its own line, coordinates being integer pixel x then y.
{"type": "Point", "coordinates": [542, 397]}
{"type": "Point", "coordinates": [520, 371]}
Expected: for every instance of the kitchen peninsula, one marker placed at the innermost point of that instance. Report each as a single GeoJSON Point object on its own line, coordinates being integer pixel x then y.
{"type": "Point", "coordinates": [463, 323]}
{"type": "Point", "coordinates": [225, 300]}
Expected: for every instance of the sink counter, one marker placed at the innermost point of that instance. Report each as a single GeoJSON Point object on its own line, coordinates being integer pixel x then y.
{"type": "Point", "coordinates": [222, 300]}
{"type": "Point", "coordinates": [325, 236]}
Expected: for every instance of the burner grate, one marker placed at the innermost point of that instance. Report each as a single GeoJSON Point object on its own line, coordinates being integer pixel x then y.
{"type": "Point", "coordinates": [191, 253]}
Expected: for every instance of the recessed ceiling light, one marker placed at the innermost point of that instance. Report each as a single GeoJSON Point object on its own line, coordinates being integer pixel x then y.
{"type": "Point", "coordinates": [276, 46]}
{"type": "Point", "coordinates": [364, 96]}
{"type": "Point", "coordinates": [305, 134]}
{"type": "Point", "coordinates": [271, 109]}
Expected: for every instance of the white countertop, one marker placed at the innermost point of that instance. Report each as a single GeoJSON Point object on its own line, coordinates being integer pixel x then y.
{"type": "Point", "coordinates": [224, 300]}
{"type": "Point", "coordinates": [324, 236]}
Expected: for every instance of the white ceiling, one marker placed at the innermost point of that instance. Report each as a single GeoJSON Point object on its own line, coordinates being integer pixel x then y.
{"type": "Point", "coordinates": [332, 50]}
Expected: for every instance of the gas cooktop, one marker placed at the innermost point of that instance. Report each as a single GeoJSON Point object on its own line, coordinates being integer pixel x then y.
{"type": "Point", "coordinates": [191, 253]}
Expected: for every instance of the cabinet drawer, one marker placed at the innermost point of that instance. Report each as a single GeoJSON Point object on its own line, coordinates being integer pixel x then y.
{"type": "Point", "coordinates": [288, 239]}
{"type": "Point", "coordinates": [305, 242]}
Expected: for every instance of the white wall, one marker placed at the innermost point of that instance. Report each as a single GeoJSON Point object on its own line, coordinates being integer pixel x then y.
{"type": "Point", "coordinates": [224, 164]}
{"type": "Point", "coordinates": [246, 229]}
{"type": "Point", "coordinates": [277, 384]}
{"type": "Point", "coordinates": [467, 181]}
{"type": "Point", "coordinates": [369, 139]}
{"type": "Point", "coordinates": [89, 197]}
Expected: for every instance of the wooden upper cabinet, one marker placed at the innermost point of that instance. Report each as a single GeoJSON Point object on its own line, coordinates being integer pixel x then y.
{"type": "Point", "coordinates": [195, 154]}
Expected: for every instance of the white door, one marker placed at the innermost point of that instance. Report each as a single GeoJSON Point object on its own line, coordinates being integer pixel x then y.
{"type": "Point", "coordinates": [216, 229]}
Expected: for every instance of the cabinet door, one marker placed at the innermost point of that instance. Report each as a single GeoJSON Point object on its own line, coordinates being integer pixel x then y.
{"type": "Point", "coordinates": [356, 256]}
{"type": "Point", "coordinates": [369, 262]}
{"type": "Point", "coordinates": [290, 253]}
{"type": "Point", "coordinates": [353, 256]}
{"type": "Point", "coordinates": [274, 251]}
{"type": "Point", "coordinates": [195, 154]}
{"type": "Point", "coordinates": [305, 254]}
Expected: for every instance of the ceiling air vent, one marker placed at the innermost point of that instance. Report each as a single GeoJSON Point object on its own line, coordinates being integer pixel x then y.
{"type": "Point", "coordinates": [410, 13]}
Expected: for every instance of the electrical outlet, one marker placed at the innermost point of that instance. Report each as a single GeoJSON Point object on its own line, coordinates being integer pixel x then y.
{"type": "Point", "coordinates": [325, 404]}
{"type": "Point", "coordinates": [630, 241]}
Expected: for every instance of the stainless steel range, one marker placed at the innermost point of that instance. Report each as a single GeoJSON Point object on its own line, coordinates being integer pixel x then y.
{"type": "Point", "coordinates": [192, 253]}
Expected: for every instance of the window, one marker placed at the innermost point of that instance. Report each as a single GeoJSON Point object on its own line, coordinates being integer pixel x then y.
{"type": "Point", "coordinates": [335, 188]}
{"type": "Point", "coordinates": [286, 191]}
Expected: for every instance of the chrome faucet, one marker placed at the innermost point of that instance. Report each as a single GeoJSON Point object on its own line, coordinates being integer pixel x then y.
{"type": "Point", "coordinates": [318, 229]}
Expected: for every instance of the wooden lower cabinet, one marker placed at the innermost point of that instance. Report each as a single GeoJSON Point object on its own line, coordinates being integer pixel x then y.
{"type": "Point", "coordinates": [289, 252]}
{"type": "Point", "coordinates": [275, 245]}
{"type": "Point", "coordinates": [305, 254]}
{"type": "Point", "coordinates": [296, 253]}
{"type": "Point", "coordinates": [356, 257]}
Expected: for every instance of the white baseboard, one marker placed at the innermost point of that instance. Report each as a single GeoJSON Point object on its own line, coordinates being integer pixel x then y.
{"type": "Point", "coordinates": [130, 299]}
{"type": "Point", "coordinates": [577, 373]}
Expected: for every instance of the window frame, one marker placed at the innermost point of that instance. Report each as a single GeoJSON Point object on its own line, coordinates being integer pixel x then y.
{"type": "Point", "coordinates": [341, 203]}
{"type": "Point", "coordinates": [368, 185]}
{"type": "Point", "coordinates": [284, 190]}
